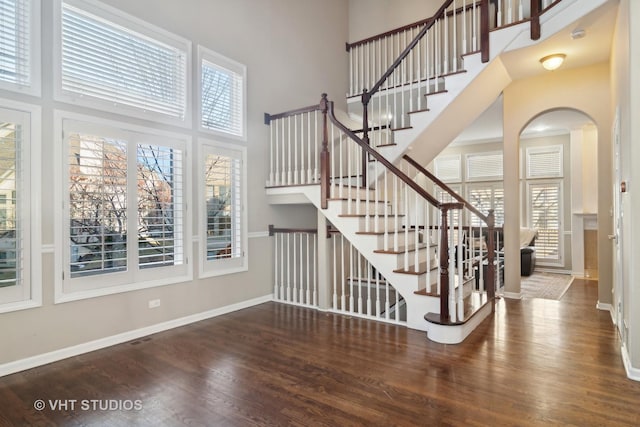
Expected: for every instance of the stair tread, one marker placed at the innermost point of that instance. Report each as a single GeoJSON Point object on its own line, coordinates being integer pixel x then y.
{"type": "Point", "coordinates": [402, 128]}
{"type": "Point", "coordinates": [353, 199]}
{"type": "Point", "coordinates": [422, 268]}
{"type": "Point", "coordinates": [424, 110]}
{"type": "Point", "coordinates": [390, 144]}
{"type": "Point", "coordinates": [401, 249]}
{"type": "Point", "coordinates": [472, 305]}
{"type": "Point", "coordinates": [379, 233]}
{"type": "Point", "coordinates": [370, 215]}
{"type": "Point", "coordinates": [436, 92]}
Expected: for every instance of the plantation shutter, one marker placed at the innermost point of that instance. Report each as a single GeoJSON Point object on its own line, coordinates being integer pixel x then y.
{"type": "Point", "coordinates": [107, 62]}
{"type": "Point", "coordinates": [15, 40]}
{"type": "Point", "coordinates": [11, 195]}
{"type": "Point", "coordinates": [97, 204]}
{"type": "Point", "coordinates": [222, 99]}
{"type": "Point", "coordinates": [223, 173]}
{"type": "Point", "coordinates": [544, 216]}
{"type": "Point", "coordinates": [159, 210]}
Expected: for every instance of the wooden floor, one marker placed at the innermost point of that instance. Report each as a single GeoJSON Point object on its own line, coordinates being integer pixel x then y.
{"type": "Point", "coordinates": [537, 362]}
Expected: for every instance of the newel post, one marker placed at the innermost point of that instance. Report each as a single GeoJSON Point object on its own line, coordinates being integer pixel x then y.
{"type": "Point", "coordinates": [444, 264]}
{"type": "Point", "coordinates": [484, 30]}
{"type": "Point", "coordinates": [490, 284]}
{"type": "Point", "coordinates": [325, 164]}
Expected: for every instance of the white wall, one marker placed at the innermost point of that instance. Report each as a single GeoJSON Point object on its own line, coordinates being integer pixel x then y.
{"type": "Point", "coordinates": [293, 51]}
{"type": "Point", "coordinates": [370, 17]}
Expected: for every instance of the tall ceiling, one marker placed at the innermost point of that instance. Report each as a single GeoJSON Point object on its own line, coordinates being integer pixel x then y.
{"type": "Point", "coordinates": [593, 48]}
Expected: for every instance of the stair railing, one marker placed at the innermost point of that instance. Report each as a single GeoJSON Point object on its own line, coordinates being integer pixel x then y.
{"type": "Point", "coordinates": [475, 253]}
{"type": "Point", "coordinates": [295, 254]}
{"type": "Point", "coordinates": [418, 69]}
{"type": "Point", "coordinates": [394, 208]}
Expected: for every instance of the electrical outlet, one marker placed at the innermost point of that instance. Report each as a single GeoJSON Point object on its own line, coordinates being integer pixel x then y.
{"type": "Point", "coordinates": [154, 303]}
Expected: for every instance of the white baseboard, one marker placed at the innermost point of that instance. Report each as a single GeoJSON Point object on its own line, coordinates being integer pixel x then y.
{"type": "Point", "coordinates": [54, 356]}
{"type": "Point", "coordinates": [512, 295]}
{"type": "Point", "coordinates": [632, 373]}
{"type": "Point", "coordinates": [606, 307]}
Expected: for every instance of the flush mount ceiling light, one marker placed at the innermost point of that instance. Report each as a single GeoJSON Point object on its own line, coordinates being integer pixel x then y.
{"type": "Point", "coordinates": [552, 62]}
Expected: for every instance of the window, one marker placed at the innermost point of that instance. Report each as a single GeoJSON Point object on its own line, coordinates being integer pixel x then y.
{"type": "Point", "coordinates": [484, 197]}
{"type": "Point", "coordinates": [104, 63]}
{"type": "Point", "coordinates": [125, 209]}
{"type": "Point", "coordinates": [544, 198]}
{"type": "Point", "coordinates": [19, 45]}
{"type": "Point", "coordinates": [544, 162]}
{"type": "Point", "coordinates": [19, 227]}
{"type": "Point", "coordinates": [484, 167]}
{"type": "Point", "coordinates": [223, 221]}
{"type": "Point", "coordinates": [222, 94]}
{"type": "Point", "coordinates": [447, 168]}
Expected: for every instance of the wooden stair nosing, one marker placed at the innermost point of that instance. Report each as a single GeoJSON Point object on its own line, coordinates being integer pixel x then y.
{"type": "Point", "coordinates": [401, 249]}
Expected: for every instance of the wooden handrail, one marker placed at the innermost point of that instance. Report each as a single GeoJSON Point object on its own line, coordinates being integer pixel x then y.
{"type": "Point", "coordinates": [404, 28]}
{"type": "Point", "coordinates": [273, 230]}
{"type": "Point", "coordinates": [446, 188]}
{"type": "Point", "coordinates": [368, 94]}
{"type": "Point", "coordinates": [380, 158]}
{"type": "Point", "coordinates": [268, 117]}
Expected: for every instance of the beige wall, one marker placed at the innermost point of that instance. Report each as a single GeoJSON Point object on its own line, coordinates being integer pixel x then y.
{"type": "Point", "coordinates": [625, 62]}
{"type": "Point", "coordinates": [581, 89]}
{"type": "Point", "coordinates": [293, 51]}
{"type": "Point", "coordinates": [370, 17]}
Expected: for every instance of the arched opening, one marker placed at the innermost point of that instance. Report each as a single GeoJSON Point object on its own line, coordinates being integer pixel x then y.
{"type": "Point", "coordinates": [559, 193]}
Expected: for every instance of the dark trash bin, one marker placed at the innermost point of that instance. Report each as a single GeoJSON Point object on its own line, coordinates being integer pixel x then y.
{"type": "Point", "coordinates": [527, 261]}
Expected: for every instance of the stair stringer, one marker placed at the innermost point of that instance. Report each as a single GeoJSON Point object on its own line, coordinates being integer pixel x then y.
{"type": "Point", "coordinates": [471, 93]}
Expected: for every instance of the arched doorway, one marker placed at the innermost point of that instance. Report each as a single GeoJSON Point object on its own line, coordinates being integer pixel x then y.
{"type": "Point", "coordinates": [559, 191]}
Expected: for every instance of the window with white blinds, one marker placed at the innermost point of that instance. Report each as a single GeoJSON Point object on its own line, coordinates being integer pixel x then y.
{"type": "Point", "coordinates": [19, 230]}
{"type": "Point", "coordinates": [544, 162]}
{"type": "Point", "coordinates": [222, 94]}
{"type": "Point", "coordinates": [223, 224]}
{"type": "Point", "coordinates": [486, 197]}
{"type": "Point", "coordinates": [118, 63]}
{"type": "Point", "coordinates": [447, 168]}
{"type": "Point", "coordinates": [545, 210]}
{"type": "Point", "coordinates": [19, 42]}
{"type": "Point", "coordinates": [484, 166]}
{"type": "Point", "coordinates": [124, 208]}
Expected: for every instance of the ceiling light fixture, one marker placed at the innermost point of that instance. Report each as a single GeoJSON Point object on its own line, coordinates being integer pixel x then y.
{"type": "Point", "coordinates": [552, 62]}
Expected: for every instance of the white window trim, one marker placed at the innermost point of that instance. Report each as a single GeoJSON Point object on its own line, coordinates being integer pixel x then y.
{"type": "Point", "coordinates": [221, 60]}
{"type": "Point", "coordinates": [489, 185]}
{"type": "Point", "coordinates": [129, 22]}
{"type": "Point", "coordinates": [482, 178]}
{"type": "Point", "coordinates": [61, 295]}
{"type": "Point", "coordinates": [35, 65]}
{"type": "Point", "coordinates": [33, 249]}
{"type": "Point", "coordinates": [545, 261]}
{"type": "Point", "coordinates": [220, 267]}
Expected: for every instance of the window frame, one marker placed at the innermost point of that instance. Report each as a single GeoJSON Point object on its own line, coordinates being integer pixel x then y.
{"type": "Point", "coordinates": [129, 23]}
{"type": "Point", "coordinates": [220, 267]}
{"type": "Point", "coordinates": [31, 210]}
{"type": "Point", "coordinates": [35, 67]}
{"type": "Point", "coordinates": [205, 54]}
{"type": "Point", "coordinates": [69, 288]}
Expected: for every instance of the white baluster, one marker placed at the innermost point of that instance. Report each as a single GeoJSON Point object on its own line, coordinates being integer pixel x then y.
{"type": "Point", "coordinates": [452, 289]}
{"type": "Point", "coordinates": [316, 175]}
{"type": "Point", "coordinates": [351, 274]}
{"type": "Point", "coordinates": [474, 26]}
{"type": "Point", "coordinates": [499, 21]}
{"type": "Point", "coordinates": [455, 37]}
{"type": "Point", "coordinates": [406, 227]}
{"type": "Point", "coordinates": [343, 300]}
{"type": "Point", "coordinates": [335, 274]}
{"type": "Point", "coordinates": [276, 264]}
{"type": "Point", "coordinates": [308, 269]}
{"type": "Point", "coordinates": [385, 224]}
{"type": "Point", "coordinates": [359, 280]}
{"type": "Point", "coordinates": [520, 11]}
{"type": "Point", "coordinates": [465, 47]}
{"type": "Point", "coordinates": [396, 220]}
{"type": "Point", "coordinates": [377, 278]}
{"type": "Point", "coordinates": [368, 265]}
{"type": "Point", "coordinates": [427, 237]}
{"type": "Point", "coordinates": [351, 91]}
{"type": "Point", "coordinates": [480, 251]}
{"type": "Point", "coordinates": [416, 233]}
{"type": "Point", "coordinates": [460, 270]}
{"type": "Point", "coordinates": [294, 293]}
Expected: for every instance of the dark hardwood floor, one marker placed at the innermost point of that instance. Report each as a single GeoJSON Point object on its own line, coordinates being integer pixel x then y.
{"type": "Point", "coordinates": [537, 362]}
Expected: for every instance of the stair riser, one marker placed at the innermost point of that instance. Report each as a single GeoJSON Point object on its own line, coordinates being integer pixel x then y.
{"type": "Point", "coordinates": [410, 258]}
{"type": "Point", "coordinates": [360, 208]}
{"type": "Point", "coordinates": [352, 192]}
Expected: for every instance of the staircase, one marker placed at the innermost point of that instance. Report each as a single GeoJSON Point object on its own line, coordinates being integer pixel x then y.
{"type": "Point", "coordinates": [431, 252]}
